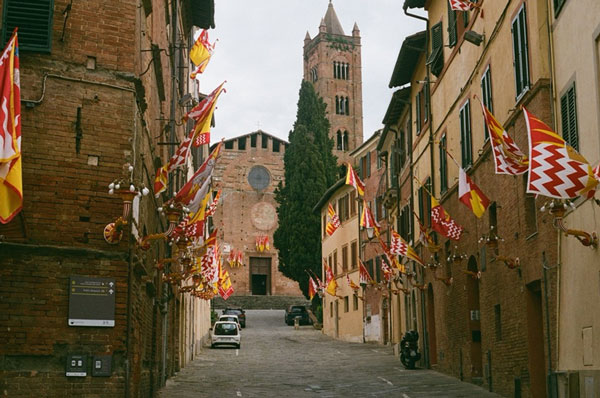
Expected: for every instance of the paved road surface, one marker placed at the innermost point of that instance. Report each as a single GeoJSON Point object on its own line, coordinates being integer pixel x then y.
{"type": "Point", "coordinates": [277, 361]}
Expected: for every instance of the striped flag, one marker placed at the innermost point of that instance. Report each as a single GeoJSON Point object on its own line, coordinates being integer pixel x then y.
{"type": "Point", "coordinates": [555, 168]}
{"type": "Point", "coordinates": [363, 275]}
{"type": "Point", "coordinates": [471, 195]}
{"type": "Point", "coordinates": [461, 5]}
{"type": "Point", "coordinates": [212, 208]}
{"type": "Point", "coordinates": [334, 221]}
{"type": "Point", "coordinates": [202, 115]}
{"type": "Point", "coordinates": [442, 223]}
{"type": "Point", "coordinates": [353, 180]}
{"type": "Point", "coordinates": [399, 247]}
{"type": "Point", "coordinates": [367, 220]}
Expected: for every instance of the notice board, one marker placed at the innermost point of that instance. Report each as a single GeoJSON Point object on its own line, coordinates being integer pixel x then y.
{"type": "Point", "coordinates": [92, 301]}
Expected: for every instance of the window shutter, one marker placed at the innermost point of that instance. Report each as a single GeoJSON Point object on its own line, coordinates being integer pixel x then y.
{"type": "Point", "coordinates": [436, 58]}
{"type": "Point", "coordinates": [452, 36]}
{"type": "Point", "coordinates": [34, 19]}
{"type": "Point", "coordinates": [368, 164]}
{"type": "Point", "coordinates": [418, 112]}
{"type": "Point", "coordinates": [568, 110]}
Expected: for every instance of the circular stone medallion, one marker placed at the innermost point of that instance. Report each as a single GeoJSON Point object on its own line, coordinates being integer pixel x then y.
{"type": "Point", "coordinates": [263, 215]}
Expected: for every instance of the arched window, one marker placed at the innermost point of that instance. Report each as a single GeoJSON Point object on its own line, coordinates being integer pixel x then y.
{"type": "Point", "coordinates": [347, 71]}
{"type": "Point", "coordinates": [337, 105]}
{"type": "Point", "coordinates": [339, 140]}
{"type": "Point", "coordinates": [345, 141]}
{"type": "Point", "coordinates": [347, 107]}
{"type": "Point", "coordinates": [334, 70]}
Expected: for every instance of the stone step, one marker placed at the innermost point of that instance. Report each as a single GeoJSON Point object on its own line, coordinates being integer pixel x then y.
{"type": "Point", "coordinates": [259, 302]}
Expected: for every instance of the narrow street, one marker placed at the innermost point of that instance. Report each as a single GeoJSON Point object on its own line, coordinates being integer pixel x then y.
{"type": "Point", "coordinates": [276, 360]}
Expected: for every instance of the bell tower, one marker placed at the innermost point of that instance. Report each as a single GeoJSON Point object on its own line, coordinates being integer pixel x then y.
{"type": "Point", "coordinates": [332, 63]}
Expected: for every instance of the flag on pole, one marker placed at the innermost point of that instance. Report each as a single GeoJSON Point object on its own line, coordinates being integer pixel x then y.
{"type": "Point", "coordinates": [202, 115]}
{"type": "Point", "coordinates": [189, 190]}
{"type": "Point", "coordinates": [178, 159]}
{"type": "Point", "coordinates": [461, 5]}
{"type": "Point", "coordinates": [363, 275]}
{"type": "Point", "coordinates": [331, 284]}
{"type": "Point", "coordinates": [353, 180]}
{"type": "Point", "coordinates": [225, 286]}
{"type": "Point", "coordinates": [400, 247]}
{"type": "Point", "coordinates": [202, 50]}
{"type": "Point", "coordinates": [387, 268]}
{"type": "Point", "coordinates": [212, 208]}
{"type": "Point", "coordinates": [200, 68]}
{"type": "Point", "coordinates": [367, 220]}
{"type": "Point", "coordinates": [351, 283]}
{"type": "Point", "coordinates": [313, 288]}
{"type": "Point", "coordinates": [11, 179]}
{"type": "Point", "coordinates": [442, 223]}
{"type": "Point", "coordinates": [392, 259]}
{"type": "Point", "coordinates": [471, 195]}
{"type": "Point", "coordinates": [334, 221]}
{"type": "Point", "coordinates": [555, 168]}
{"type": "Point", "coordinates": [197, 206]}
{"type": "Point", "coordinates": [508, 158]}
{"type": "Point", "coordinates": [161, 180]}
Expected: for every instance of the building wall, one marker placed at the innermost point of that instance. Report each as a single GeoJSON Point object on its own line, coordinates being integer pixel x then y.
{"type": "Point", "coordinates": [247, 213]}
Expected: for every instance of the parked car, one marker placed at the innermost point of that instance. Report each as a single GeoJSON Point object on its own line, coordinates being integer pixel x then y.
{"type": "Point", "coordinates": [230, 318]}
{"type": "Point", "coordinates": [297, 311]}
{"type": "Point", "coordinates": [236, 311]}
{"type": "Point", "coordinates": [226, 333]}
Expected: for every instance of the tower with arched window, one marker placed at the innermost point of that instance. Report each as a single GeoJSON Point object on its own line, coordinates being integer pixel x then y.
{"type": "Point", "coordinates": [332, 63]}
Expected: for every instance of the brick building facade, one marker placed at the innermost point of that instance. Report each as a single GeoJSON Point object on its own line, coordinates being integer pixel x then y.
{"type": "Point", "coordinates": [94, 94]}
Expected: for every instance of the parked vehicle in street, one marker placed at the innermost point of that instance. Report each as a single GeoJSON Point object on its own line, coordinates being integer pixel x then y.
{"type": "Point", "coordinates": [226, 333]}
{"type": "Point", "coordinates": [230, 318]}
{"type": "Point", "coordinates": [236, 311]}
{"type": "Point", "coordinates": [297, 311]}
{"type": "Point", "coordinates": [409, 349]}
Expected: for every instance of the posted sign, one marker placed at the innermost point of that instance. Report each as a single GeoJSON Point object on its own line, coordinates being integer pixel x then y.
{"type": "Point", "coordinates": [92, 301]}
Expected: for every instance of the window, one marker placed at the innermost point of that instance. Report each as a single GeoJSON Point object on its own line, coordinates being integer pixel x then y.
{"type": "Point", "coordinates": [314, 76]}
{"type": "Point", "coordinates": [276, 144]}
{"type": "Point", "coordinates": [493, 214]}
{"type": "Point", "coordinates": [253, 140]}
{"type": "Point", "coordinates": [242, 143]}
{"type": "Point", "coordinates": [558, 5]}
{"type": "Point", "coordinates": [436, 58]}
{"type": "Point", "coordinates": [520, 55]}
{"type": "Point", "coordinates": [379, 161]}
{"type": "Point", "coordinates": [341, 70]}
{"type": "Point", "coordinates": [264, 141]}
{"type": "Point", "coordinates": [368, 164]}
{"type": "Point", "coordinates": [259, 177]}
{"type": "Point", "coordinates": [335, 263]}
{"type": "Point", "coordinates": [228, 144]}
{"type": "Point", "coordinates": [379, 208]}
{"type": "Point", "coordinates": [346, 304]}
{"type": "Point", "coordinates": [377, 274]}
{"type": "Point", "coordinates": [344, 258]}
{"type": "Point", "coordinates": [345, 141]}
{"type": "Point", "coordinates": [405, 223]}
{"type": "Point", "coordinates": [568, 114]}
{"type": "Point", "coordinates": [498, 322]}
{"type": "Point", "coordinates": [355, 302]}
{"type": "Point", "coordinates": [425, 203]}
{"type": "Point", "coordinates": [340, 144]}
{"type": "Point", "coordinates": [418, 119]}
{"type": "Point", "coordinates": [344, 208]}
{"type": "Point", "coordinates": [402, 147]}
{"type": "Point", "coordinates": [354, 255]}
{"type": "Point", "coordinates": [324, 225]}
{"type": "Point", "coordinates": [331, 309]}
{"type": "Point", "coordinates": [330, 263]}
{"type": "Point", "coordinates": [486, 96]}
{"type": "Point", "coordinates": [466, 149]}
{"type": "Point", "coordinates": [352, 201]}
{"type": "Point", "coordinates": [370, 268]}
{"type": "Point", "coordinates": [443, 165]}
{"type": "Point", "coordinates": [34, 19]}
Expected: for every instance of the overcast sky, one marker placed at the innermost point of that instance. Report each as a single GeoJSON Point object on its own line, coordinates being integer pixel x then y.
{"type": "Point", "coordinates": [259, 53]}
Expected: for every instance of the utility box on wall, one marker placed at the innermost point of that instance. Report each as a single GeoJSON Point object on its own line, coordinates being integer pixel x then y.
{"type": "Point", "coordinates": [76, 365]}
{"type": "Point", "coordinates": [101, 365]}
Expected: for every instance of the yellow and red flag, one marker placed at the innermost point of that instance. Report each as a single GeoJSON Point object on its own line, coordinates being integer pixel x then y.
{"type": "Point", "coordinates": [400, 247]}
{"type": "Point", "coordinates": [202, 114]}
{"type": "Point", "coordinates": [212, 208]}
{"type": "Point", "coordinates": [442, 222]}
{"type": "Point", "coordinates": [471, 195]}
{"type": "Point", "coordinates": [312, 288]}
{"type": "Point", "coordinates": [367, 220]}
{"type": "Point", "coordinates": [331, 284]}
{"type": "Point", "coordinates": [353, 180]}
{"type": "Point", "coordinates": [202, 50]}
{"type": "Point", "coordinates": [351, 283]}
{"type": "Point", "coordinates": [11, 178]}
{"type": "Point", "coordinates": [225, 287]}
{"type": "Point", "coordinates": [334, 221]}
{"type": "Point", "coordinates": [555, 168]}
{"type": "Point", "coordinates": [188, 192]}
{"type": "Point", "coordinates": [508, 158]}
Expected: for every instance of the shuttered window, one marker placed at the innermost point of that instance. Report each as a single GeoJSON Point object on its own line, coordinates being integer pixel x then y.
{"type": "Point", "coordinates": [443, 165]}
{"type": "Point", "coordinates": [418, 112]}
{"type": "Point", "coordinates": [34, 20]}
{"type": "Point", "coordinates": [452, 35]}
{"type": "Point", "coordinates": [568, 112]}
{"type": "Point", "coordinates": [520, 52]}
{"type": "Point", "coordinates": [558, 5]}
{"type": "Point", "coordinates": [466, 149]}
{"type": "Point", "coordinates": [486, 96]}
{"type": "Point", "coordinates": [436, 58]}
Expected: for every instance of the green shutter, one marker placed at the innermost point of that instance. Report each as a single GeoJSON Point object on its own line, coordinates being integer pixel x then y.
{"type": "Point", "coordinates": [452, 35]}
{"type": "Point", "coordinates": [568, 110]}
{"type": "Point", "coordinates": [436, 58]}
{"type": "Point", "coordinates": [34, 20]}
{"type": "Point", "coordinates": [443, 166]}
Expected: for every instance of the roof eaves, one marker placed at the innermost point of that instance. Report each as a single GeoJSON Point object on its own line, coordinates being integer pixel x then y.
{"type": "Point", "coordinates": [328, 194]}
{"type": "Point", "coordinates": [411, 49]}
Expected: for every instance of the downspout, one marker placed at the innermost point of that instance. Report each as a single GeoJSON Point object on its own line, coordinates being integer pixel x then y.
{"type": "Point", "coordinates": [423, 317]}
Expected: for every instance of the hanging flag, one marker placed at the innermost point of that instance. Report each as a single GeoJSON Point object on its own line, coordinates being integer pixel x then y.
{"type": "Point", "coordinates": [442, 223]}
{"type": "Point", "coordinates": [330, 281]}
{"type": "Point", "coordinates": [400, 247]}
{"type": "Point", "coordinates": [195, 230]}
{"type": "Point", "coordinates": [210, 263]}
{"type": "Point", "coordinates": [213, 205]}
{"type": "Point", "coordinates": [386, 268]}
{"type": "Point", "coordinates": [392, 259]}
{"type": "Point", "coordinates": [178, 159]}
{"type": "Point", "coordinates": [312, 288]}
{"type": "Point", "coordinates": [351, 283]}
{"type": "Point", "coordinates": [461, 5]}
{"type": "Point", "coordinates": [201, 50]}
{"type": "Point", "coordinates": [189, 190]}
{"type": "Point", "coordinates": [508, 158]}
{"type": "Point", "coordinates": [555, 168]}
{"type": "Point", "coordinates": [11, 179]}
{"type": "Point", "coordinates": [161, 180]}
{"type": "Point", "coordinates": [225, 287]}
{"type": "Point", "coordinates": [367, 220]}
{"type": "Point", "coordinates": [471, 195]}
{"type": "Point", "coordinates": [353, 180]}
{"type": "Point", "coordinates": [363, 275]}
{"type": "Point", "coordinates": [202, 115]}
{"type": "Point", "coordinates": [200, 68]}
{"type": "Point", "coordinates": [334, 221]}
{"type": "Point", "coordinates": [198, 205]}
{"type": "Point", "coordinates": [425, 237]}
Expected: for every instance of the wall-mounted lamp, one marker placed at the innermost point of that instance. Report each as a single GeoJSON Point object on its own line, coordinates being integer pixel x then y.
{"type": "Point", "coordinates": [558, 208]}
{"type": "Point", "coordinates": [474, 37]}
{"type": "Point", "coordinates": [456, 257]}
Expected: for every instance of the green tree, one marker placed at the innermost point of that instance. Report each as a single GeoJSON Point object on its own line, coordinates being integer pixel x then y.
{"type": "Point", "coordinates": [310, 168]}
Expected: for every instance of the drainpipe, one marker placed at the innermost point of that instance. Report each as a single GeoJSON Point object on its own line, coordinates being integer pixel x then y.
{"type": "Point", "coordinates": [550, 380]}
{"type": "Point", "coordinates": [423, 313]}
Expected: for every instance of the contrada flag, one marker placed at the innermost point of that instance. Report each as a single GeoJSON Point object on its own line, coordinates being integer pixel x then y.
{"type": "Point", "coordinates": [187, 193]}
{"type": "Point", "coordinates": [178, 159]}
{"type": "Point", "coordinates": [367, 220]}
{"type": "Point", "coordinates": [442, 223]}
{"type": "Point", "coordinates": [353, 180]}
{"type": "Point", "coordinates": [363, 275]}
{"type": "Point", "coordinates": [508, 158]}
{"type": "Point", "coordinates": [351, 283]}
{"type": "Point", "coordinates": [201, 50]}
{"type": "Point", "coordinates": [11, 179]}
{"type": "Point", "coordinates": [202, 114]}
{"type": "Point", "coordinates": [212, 208]}
{"type": "Point", "coordinates": [555, 169]}
{"type": "Point", "coordinates": [313, 288]}
{"type": "Point", "coordinates": [470, 194]}
{"type": "Point", "coordinates": [334, 221]}
{"type": "Point", "coordinates": [461, 5]}
{"type": "Point", "coordinates": [400, 247]}
{"type": "Point", "coordinates": [330, 281]}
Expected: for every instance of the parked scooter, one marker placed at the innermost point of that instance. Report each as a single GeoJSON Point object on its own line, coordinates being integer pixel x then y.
{"type": "Point", "coordinates": [409, 349]}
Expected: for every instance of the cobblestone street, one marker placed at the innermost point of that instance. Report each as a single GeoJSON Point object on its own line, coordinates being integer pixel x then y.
{"type": "Point", "coordinates": [277, 361]}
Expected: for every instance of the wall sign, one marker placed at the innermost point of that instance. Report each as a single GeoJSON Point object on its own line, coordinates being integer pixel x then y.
{"type": "Point", "coordinates": [92, 301]}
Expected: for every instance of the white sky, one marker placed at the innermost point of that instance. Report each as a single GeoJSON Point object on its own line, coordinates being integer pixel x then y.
{"type": "Point", "coordinates": [259, 53]}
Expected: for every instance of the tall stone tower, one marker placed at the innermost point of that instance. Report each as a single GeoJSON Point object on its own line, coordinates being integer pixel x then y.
{"type": "Point", "coordinates": [332, 63]}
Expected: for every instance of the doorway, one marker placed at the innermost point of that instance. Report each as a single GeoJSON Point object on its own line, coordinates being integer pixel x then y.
{"type": "Point", "coordinates": [385, 320]}
{"type": "Point", "coordinates": [535, 338]}
{"type": "Point", "coordinates": [260, 276]}
{"type": "Point", "coordinates": [473, 317]}
{"type": "Point", "coordinates": [431, 326]}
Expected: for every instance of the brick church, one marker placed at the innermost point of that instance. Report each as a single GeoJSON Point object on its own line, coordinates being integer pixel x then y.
{"type": "Point", "coordinates": [251, 165]}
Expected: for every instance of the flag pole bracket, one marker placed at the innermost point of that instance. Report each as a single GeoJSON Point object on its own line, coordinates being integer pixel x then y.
{"type": "Point", "coordinates": [558, 209]}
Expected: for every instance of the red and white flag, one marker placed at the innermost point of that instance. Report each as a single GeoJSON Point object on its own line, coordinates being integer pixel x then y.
{"type": "Point", "coordinates": [363, 275]}
{"type": "Point", "coordinates": [461, 5]}
{"type": "Point", "coordinates": [555, 168]}
{"type": "Point", "coordinates": [400, 247]}
{"type": "Point", "coordinates": [442, 222]}
{"type": "Point", "coordinates": [202, 115]}
{"type": "Point", "coordinates": [212, 208]}
{"type": "Point", "coordinates": [471, 195]}
{"type": "Point", "coordinates": [313, 288]}
{"type": "Point", "coordinates": [334, 221]}
{"type": "Point", "coordinates": [353, 180]}
{"type": "Point", "coordinates": [367, 220]}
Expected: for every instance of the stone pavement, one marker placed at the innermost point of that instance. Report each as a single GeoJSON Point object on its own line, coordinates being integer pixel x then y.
{"type": "Point", "coordinates": [277, 361]}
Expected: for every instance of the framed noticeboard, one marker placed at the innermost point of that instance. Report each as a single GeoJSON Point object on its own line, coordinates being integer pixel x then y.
{"type": "Point", "coordinates": [92, 301]}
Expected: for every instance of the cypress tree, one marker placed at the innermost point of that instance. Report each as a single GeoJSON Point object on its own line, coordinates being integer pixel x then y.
{"type": "Point", "coordinates": [310, 168]}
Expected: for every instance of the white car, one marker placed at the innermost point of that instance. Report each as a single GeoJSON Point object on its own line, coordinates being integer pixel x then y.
{"type": "Point", "coordinates": [230, 318]}
{"type": "Point", "coordinates": [226, 333]}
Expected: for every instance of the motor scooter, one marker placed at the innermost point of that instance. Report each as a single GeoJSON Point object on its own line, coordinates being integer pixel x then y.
{"type": "Point", "coordinates": [409, 349]}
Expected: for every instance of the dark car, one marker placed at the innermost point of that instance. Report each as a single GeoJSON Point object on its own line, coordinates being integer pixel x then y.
{"type": "Point", "coordinates": [297, 311]}
{"type": "Point", "coordinates": [240, 314]}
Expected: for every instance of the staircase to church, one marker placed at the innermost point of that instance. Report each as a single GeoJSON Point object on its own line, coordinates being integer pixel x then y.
{"type": "Point", "coordinates": [259, 302]}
